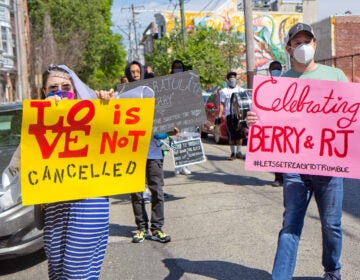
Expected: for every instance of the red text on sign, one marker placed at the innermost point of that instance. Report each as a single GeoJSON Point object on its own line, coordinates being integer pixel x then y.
{"type": "Point", "coordinates": [78, 118]}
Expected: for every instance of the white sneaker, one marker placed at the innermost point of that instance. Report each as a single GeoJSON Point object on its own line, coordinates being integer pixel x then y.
{"type": "Point", "coordinates": [177, 171]}
{"type": "Point", "coordinates": [185, 171]}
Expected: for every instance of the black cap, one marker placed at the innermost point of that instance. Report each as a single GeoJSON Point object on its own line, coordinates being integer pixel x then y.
{"type": "Point", "coordinates": [231, 72]}
{"type": "Point", "coordinates": [299, 27]}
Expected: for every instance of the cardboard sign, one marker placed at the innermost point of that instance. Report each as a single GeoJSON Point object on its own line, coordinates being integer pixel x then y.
{"type": "Point", "coordinates": [187, 152]}
{"type": "Point", "coordinates": [84, 148]}
{"type": "Point", "coordinates": [305, 126]}
{"type": "Point", "coordinates": [178, 100]}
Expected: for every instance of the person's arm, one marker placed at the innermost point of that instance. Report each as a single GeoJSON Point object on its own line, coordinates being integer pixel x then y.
{"type": "Point", "coordinates": [221, 110]}
{"type": "Point", "coordinates": [222, 103]}
{"type": "Point", "coordinates": [164, 135]}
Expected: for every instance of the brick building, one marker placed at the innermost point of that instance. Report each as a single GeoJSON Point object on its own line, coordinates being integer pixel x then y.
{"type": "Point", "coordinates": [338, 44]}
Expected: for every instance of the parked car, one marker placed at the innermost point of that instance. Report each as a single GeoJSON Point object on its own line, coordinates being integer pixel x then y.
{"type": "Point", "coordinates": [18, 234]}
{"type": "Point", "coordinates": [212, 107]}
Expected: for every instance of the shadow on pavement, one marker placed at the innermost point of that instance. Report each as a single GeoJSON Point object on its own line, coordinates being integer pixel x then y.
{"type": "Point", "coordinates": [217, 158]}
{"type": "Point", "coordinates": [18, 264]}
{"type": "Point", "coordinates": [352, 197]}
{"type": "Point", "coordinates": [228, 179]}
{"type": "Point", "coordinates": [118, 230]}
{"type": "Point", "coordinates": [121, 199]}
{"type": "Point", "coordinates": [219, 270]}
{"type": "Point", "coordinates": [307, 278]}
{"type": "Point", "coordinates": [125, 198]}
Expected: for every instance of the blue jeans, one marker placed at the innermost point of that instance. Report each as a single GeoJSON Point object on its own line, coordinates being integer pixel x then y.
{"type": "Point", "coordinates": [298, 190]}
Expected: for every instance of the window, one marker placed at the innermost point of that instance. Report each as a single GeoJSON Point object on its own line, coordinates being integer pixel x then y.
{"type": "Point", "coordinates": [4, 39]}
{"type": "Point", "coordinates": [3, 14]}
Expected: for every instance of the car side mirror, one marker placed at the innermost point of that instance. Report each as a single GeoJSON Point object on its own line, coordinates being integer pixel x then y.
{"type": "Point", "coordinates": [210, 106]}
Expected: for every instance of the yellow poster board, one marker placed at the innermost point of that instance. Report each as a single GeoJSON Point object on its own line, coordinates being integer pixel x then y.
{"type": "Point", "coordinates": [84, 148]}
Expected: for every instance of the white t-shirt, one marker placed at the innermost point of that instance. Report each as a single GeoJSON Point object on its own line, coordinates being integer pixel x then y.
{"type": "Point", "coordinates": [225, 95]}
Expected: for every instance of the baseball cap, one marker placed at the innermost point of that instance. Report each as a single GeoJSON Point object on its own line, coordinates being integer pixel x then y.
{"type": "Point", "coordinates": [231, 72]}
{"type": "Point", "coordinates": [299, 27]}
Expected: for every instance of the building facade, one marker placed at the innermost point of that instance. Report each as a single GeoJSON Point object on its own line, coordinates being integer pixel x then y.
{"type": "Point", "coordinates": [337, 45]}
{"type": "Point", "coordinates": [14, 50]}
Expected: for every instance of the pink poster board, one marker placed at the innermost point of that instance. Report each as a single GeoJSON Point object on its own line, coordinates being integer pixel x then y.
{"type": "Point", "coordinates": [305, 126]}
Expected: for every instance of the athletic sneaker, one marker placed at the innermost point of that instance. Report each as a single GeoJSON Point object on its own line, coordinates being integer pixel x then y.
{"type": "Point", "coordinates": [185, 171]}
{"type": "Point", "coordinates": [332, 275]}
{"type": "Point", "coordinates": [232, 157]}
{"type": "Point", "coordinates": [240, 156]}
{"type": "Point", "coordinates": [276, 183]}
{"type": "Point", "coordinates": [158, 235]}
{"type": "Point", "coordinates": [140, 236]}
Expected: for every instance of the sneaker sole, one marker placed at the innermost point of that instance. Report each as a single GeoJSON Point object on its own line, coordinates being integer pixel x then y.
{"type": "Point", "coordinates": [138, 241]}
{"type": "Point", "coordinates": [154, 238]}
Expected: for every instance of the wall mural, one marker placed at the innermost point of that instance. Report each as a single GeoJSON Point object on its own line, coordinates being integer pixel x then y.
{"type": "Point", "coordinates": [270, 30]}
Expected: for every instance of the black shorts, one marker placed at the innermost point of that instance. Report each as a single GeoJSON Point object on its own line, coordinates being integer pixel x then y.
{"type": "Point", "coordinates": [236, 130]}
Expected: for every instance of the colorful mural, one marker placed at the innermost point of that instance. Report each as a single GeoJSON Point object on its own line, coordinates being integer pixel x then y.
{"type": "Point", "coordinates": [270, 29]}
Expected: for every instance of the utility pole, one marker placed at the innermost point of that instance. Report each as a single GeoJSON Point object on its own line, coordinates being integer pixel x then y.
{"type": "Point", "coordinates": [249, 40]}
{"type": "Point", "coordinates": [22, 38]}
{"type": "Point", "coordinates": [183, 27]}
{"type": "Point", "coordinates": [132, 8]}
{"type": "Point", "coordinates": [135, 35]}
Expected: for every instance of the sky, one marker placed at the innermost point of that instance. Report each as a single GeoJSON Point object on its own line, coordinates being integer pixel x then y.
{"type": "Point", "coordinates": [121, 13]}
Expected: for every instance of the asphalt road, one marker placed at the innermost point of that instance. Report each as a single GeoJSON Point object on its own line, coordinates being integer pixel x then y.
{"type": "Point", "coordinates": [223, 222]}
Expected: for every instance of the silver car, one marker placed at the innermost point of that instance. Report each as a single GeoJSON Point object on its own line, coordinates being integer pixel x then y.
{"type": "Point", "coordinates": [18, 234]}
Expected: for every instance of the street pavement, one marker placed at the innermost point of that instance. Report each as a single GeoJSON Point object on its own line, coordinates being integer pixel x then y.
{"type": "Point", "coordinates": [223, 221]}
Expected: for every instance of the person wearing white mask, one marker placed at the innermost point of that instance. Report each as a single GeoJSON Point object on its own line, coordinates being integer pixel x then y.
{"type": "Point", "coordinates": [234, 136]}
{"type": "Point", "coordinates": [299, 188]}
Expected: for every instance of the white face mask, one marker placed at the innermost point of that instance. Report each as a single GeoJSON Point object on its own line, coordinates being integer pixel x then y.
{"type": "Point", "coordinates": [304, 53]}
{"type": "Point", "coordinates": [232, 82]}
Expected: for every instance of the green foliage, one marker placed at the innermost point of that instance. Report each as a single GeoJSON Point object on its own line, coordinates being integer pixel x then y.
{"type": "Point", "coordinates": [82, 36]}
{"type": "Point", "coordinates": [210, 52]}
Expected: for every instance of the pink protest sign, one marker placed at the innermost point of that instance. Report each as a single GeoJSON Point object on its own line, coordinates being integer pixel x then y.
{"type": "Point", "coordinates": [305, 126]}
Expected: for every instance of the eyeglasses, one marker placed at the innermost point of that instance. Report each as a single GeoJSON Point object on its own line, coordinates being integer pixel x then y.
{"type": "Point", "coordinates": [55, 87]}
{"type": "Point", "coordinates": [61, 93]}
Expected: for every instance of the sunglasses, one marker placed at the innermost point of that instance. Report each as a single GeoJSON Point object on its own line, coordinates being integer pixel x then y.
{"type": "Point", "coordinates": [55, 87]}
{"type": "Point", "coordinates": [61, 93]}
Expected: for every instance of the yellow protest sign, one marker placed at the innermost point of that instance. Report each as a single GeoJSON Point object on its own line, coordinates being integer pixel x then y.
{"type": "Point", "coordinates": [84, 148]}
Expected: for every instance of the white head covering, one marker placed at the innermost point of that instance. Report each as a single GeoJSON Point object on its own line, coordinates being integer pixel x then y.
{"type": "Point", "coordinates": [82, 90]}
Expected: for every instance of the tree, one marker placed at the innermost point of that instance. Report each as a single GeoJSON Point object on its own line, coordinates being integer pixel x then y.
{"type": "Point", "coordinates": [210, 52]}
{"type": "Point", "coordinates": [82, 37]}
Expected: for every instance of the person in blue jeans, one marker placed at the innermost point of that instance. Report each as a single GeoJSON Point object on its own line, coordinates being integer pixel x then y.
{"type": "Point", "coordinates": [298, 189]}
{"type": "Point", "coordinates": [297, 192]}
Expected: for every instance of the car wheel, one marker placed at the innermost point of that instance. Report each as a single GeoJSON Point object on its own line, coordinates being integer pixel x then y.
{"type": "Point", "coordinates": [217, 138]}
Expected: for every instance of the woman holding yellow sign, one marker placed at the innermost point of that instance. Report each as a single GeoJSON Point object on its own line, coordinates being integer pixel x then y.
{"type": "Point", "coordinates": [75, 232]}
